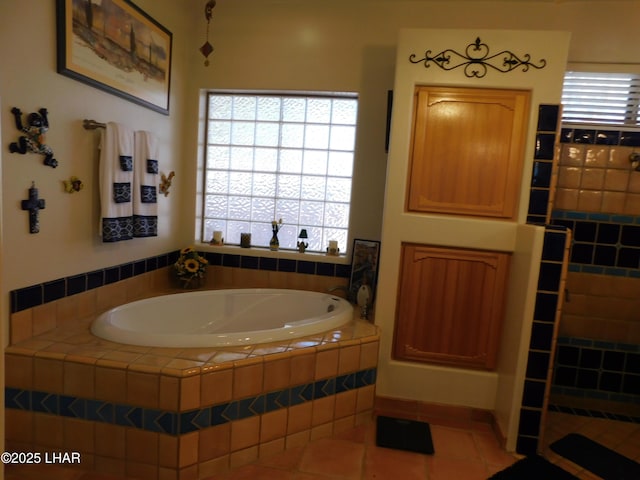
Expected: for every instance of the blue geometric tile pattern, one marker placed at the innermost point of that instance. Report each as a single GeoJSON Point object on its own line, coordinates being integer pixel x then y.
{"type": "Point", "coordinates": [178, 423]}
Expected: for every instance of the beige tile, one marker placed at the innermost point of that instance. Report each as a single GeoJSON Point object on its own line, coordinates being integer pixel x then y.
{"type": "Point", "coordinates": [569, 177]}
{"type": "Point", "coordinates": [589, 201]}
{"type": "Point", "coordinates": [48, 375]}
{"type": "Point", "coordinates": [248, 380]}
{"type": "Point", "coordinates": [169, 398]}
{"type": "Point", "coordinates": [19, 426]}
{"type": "Point", "coordinates": [345, 404]}
{"type": "Point", "coordinates": [365, 398]}
{"type": "Point", "coordinates": [143, 389]}
{"type": "Point", "coordinates": [243, 457]}
{"type": "Point", "coordinates": [79, 435]}
{"type": "Point", "coordinates": [110, 441]}
{"type": "Point", "coordinates": [79, 379]}
{"type": "Point", "coordinates": [18, 371]}
{"type": "Point", "coordinates": [632, 206]}
{"type": "Point", "coordinates": [48, 430]}
{"type": "Point", "coordinates": [216, 387]}
{"type": "Point", "coordinates": [597, 156]}
{"type": "Point", "coordinates": [323, 410]}
{"type": "Point", "coordinates": [349, 359]}
{"type": "Point", "coordinates": [190, 392]}
{"type": "Point", "coordinates": [327, 363]}
{"type": "Point", "coordinates": [572, 155]}
{"type": "Point", "coordinates": [21, 326]}
{"type": "Point", "coordinates": [619, 157]}
{"type": "Point", "coordinates": [613, 202]}
{"type": "Point", "coordinates": [215, 442]}
{"type": "Point", "coordinates": [168, 451]}
{"type": "Point", "coordinates": [44, 318]}
{"type": "Point", "coordinates": [188, 449]}
{"type": "Point", "coordinates": [142, 446]}
{"type": "Point", "coordinates": [369, 354]}
{"type": "Point", "coordinates": [634, 182]}
{"type": "Point", "coordinates": [566, 199]}
{"type": "Point", "coordinates": [303, 367]}
{"type": "Point", "coordinates": [592, 178]}
{"type": "Point", "coordinates": [273, 425]}
{"type": "Point", "coordinates": [141, 470]}
{"type": "Point", "coordinates": [616, 180]}
{"type": "Point", "coordinates": [111, 384]}
{"type": "Point", "coordinates": [299, 418]}
{"type": "Point", "coordinates": [245, 433]}
{"type": "Point", "coordinates": [277, 372]}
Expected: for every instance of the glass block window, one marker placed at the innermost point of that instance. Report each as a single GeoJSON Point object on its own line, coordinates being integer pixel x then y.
{"type": "Point", "coordinates": [272, 157]}
{"type": "Point", "coordinates": [601, 99]}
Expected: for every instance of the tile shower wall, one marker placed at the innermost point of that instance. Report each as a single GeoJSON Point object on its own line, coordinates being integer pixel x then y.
{"type": "Point", "coordinates": [598, 198]}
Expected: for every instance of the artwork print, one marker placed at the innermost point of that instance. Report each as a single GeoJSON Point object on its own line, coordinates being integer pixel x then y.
{"type": "Point", "coordinates": [115, 46]}
{"type": "Point", "coordinates": [364, 266]}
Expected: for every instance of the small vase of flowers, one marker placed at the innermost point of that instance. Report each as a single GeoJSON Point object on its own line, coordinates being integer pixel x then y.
{"type": "Point", "coordinates": [191, 268]}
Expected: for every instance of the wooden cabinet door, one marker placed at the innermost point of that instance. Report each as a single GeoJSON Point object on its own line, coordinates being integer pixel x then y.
{"type": "Point", "coordinates": [450, 305]}
{"type": "Point", "coordinates": [467, 151]}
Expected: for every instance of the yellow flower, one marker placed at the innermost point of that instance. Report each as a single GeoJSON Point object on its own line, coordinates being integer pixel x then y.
{"type": "Point", "coordinates": [186, 250]}
{"type": "Point", "coordinates": [203, 260]}
{"type": "Point", "coordinates": [191, 265]}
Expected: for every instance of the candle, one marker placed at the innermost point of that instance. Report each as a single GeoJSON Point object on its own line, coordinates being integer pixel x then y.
{"type": "Point", "coordinates": [217, 237]}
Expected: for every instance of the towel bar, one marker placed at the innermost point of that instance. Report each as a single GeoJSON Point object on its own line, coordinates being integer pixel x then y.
{"type": "Point", "coordinates": [92, 124]}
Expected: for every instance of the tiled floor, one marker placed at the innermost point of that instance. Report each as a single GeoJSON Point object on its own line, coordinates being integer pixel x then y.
{"type": "Point", "coordinates": [461, 454]}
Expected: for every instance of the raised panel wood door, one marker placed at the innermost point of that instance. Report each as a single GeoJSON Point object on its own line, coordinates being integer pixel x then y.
{"type": "Point", "coordinates": [450, 306]}
{"type": "Point", "coordinates": [467, 151]}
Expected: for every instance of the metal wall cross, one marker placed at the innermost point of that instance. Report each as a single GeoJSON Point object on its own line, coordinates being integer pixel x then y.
{"type": "Point", "coordinates": [34, 205]}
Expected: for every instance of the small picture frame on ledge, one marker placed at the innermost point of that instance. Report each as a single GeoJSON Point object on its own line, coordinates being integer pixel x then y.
{"type": "Point", "coordinates": [364, 266]}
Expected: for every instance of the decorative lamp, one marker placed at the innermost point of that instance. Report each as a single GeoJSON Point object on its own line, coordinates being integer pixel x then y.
{"type": "Point", "coordinates": [302, 245]}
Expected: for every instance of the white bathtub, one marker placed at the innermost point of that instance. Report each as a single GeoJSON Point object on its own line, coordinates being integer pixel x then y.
{"type": "Point", "coordinates": [219, 318]}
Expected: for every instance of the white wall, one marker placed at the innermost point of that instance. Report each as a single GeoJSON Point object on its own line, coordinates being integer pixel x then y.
{"type": "Point", "coordinates": [68, 241]}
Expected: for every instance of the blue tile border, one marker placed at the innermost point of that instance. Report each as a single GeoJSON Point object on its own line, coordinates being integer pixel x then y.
{"type": "Point", "coordinates": [34, 295]}
{"type": "Point", "coordinates": [178, 423]}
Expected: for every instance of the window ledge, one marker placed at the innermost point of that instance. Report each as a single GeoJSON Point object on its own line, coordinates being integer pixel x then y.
{"type": "Point", "coordinates": [265, 252]}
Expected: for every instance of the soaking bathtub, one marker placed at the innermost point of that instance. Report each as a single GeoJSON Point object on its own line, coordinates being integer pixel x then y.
{"type": "Point", "coordinates": [222, 318]}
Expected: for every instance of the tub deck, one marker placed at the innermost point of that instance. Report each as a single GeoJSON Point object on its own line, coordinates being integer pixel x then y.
{"type": "Point", "coordinates": [154, 412]}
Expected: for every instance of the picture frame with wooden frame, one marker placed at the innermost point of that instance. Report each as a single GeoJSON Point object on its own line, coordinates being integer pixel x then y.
{"type": "Point", "coordinates": [115, 46]}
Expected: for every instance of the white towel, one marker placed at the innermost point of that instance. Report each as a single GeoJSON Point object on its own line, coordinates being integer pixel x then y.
{"type": "Point", "coordinates": [145, 185]}
{"type": "Point", "coordinates": [116, 178]}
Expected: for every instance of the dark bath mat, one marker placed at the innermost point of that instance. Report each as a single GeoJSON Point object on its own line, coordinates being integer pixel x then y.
{"type": "Point", "coordinates": [403, 434]}
{"type": "Point", "coordinates": [596, 458]}
{"type": "Point", "coordinates": [533, 467]}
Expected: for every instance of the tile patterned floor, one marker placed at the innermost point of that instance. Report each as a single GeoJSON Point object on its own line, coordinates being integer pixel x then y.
{"type": "Point", "coordinates": [461, 454]}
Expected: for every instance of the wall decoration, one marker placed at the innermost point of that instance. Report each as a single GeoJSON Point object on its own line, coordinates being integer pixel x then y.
{"type": "Point", "coordinates": [476, 60]}
{"type": "Point", "coordinates": [33, 140]}
{"type": "Point", "coordinates": [74, 184]}
{"type": "Point", "coordinates": [207, 49]}
{"type": "Point", "coordinates": [34, 205]}
{"type": "Point", "coordinates": [165, 182]}
{"type": "Point", "coordinates": [364, 266]}
{"type": "Point", "coordinates": [115, 46]}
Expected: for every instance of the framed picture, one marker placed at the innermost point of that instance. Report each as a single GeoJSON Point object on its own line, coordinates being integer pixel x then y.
{"type": "Point", "coordinates": [364, 266]}
{"type": "Point", "coordinates": [114, 46]}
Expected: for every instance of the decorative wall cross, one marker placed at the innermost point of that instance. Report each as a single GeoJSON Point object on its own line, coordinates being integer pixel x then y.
{"type": "Point", "coordinates": [34, 205]}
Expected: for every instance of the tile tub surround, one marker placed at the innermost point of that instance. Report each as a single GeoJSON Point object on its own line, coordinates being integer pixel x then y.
{"type": "Point", "coordinates": [159, 413]}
